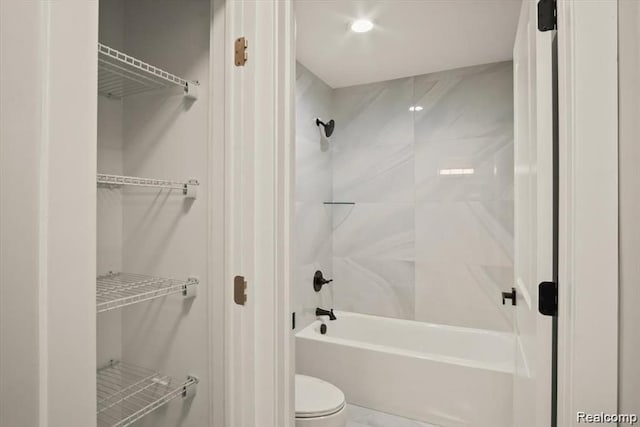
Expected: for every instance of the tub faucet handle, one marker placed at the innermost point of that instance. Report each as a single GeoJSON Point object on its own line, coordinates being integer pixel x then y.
{"type": "Point", "coordinates": [319, 281]}
{"type": "Point", "coordinates": [323, 312]}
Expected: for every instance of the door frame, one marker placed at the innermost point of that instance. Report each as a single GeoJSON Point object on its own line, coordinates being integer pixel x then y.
{"type": "Point", "coordinates": [259, 170]}
{"type": "Point", "coordinates": [588, 208]}
{"type": "Point", "coordinates": [48, 141]}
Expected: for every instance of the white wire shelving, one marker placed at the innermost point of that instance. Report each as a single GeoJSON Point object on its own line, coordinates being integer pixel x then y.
{"type": "Point", "coordinates": [127, 392]}
{"type": "Point", "coordinates": [121, 75]}
{"type": "Point", "coordinates": [188, 188]}
{"type": "Point", "coordinates": [117, 290]}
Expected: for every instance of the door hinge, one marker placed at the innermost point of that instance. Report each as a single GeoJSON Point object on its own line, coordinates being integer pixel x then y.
{"type": "Point", "coordinates": [547, 15]}
{"type": "Point", "coordinates": [293, 320]}
{"type": "Point", "coordinates": [241, 55]}
{"type": "Point", "coordinates": [239, 290]}
{"type": "Point", "coordinates": [548, 298]}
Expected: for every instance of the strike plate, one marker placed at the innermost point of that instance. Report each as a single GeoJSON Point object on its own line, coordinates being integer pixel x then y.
{"type": "Point", "coordinates": [239, 290]}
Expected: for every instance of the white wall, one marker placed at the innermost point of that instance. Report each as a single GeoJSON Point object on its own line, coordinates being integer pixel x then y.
{"type": "Point", "coordinates": [109, 200]}
{"type": "Point", "coordinates": [167, 136]}
{"type": "Point", "coordinates": [629, 151]}
{"type": "Point", "coordinates": [20, 132]}
{"type": "Point", "coordinates": [71, 213]}
{"type": "Point", "coordinates": [48, 210]}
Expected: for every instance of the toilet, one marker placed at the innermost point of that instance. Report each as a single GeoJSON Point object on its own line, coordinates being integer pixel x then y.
{"type": "Point", "coordinates": [319, 403]}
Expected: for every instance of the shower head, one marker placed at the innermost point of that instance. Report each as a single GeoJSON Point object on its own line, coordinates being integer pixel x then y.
{"type": "Point", "coordinates": [328, 127]}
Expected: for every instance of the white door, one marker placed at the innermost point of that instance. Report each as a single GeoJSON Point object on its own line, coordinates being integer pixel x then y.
{"type": "Point", "coordinates": [534, 218]}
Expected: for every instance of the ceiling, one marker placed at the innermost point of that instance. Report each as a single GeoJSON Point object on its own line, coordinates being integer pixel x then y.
{"type": "Point", "coordinates": [410, 37]}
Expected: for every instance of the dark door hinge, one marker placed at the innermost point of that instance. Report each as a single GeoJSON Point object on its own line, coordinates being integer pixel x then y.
{"type": "Point", "coordinates": [293, 320]}
{"type": "Point", "coordinates": [548, 298]}
{"type": "Point", "coordinates": [547, 15]}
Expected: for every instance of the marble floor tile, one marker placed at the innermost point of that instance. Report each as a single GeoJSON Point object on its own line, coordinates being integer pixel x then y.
{"type": "Point", "coordinates": [364, 417]}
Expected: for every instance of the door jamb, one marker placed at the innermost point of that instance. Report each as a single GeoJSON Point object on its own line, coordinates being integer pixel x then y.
{"type": "Point", "coordinates": [588, 209]}
{"type": "Point", "coordinates": [259, 164]}
{"type": "Point", "coordinates": [588, 235]}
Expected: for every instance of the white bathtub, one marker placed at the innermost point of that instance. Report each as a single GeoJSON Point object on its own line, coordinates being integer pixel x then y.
{"type": "Point", "coordinates": [444, 375]}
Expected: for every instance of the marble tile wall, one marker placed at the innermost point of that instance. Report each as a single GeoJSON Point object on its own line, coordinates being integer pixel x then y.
{"type": "Point", "coordinates": [373, 166]}
{"type": "Point", "coordinates": [464, 223]}
{"type": "Point", "coordinates": [313, 221]}
{"type": "Point", "coordinates": [422, 241]}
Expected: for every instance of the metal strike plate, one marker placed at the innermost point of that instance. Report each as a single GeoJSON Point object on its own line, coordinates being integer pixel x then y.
{"type": "Point", "coordinates": [239, 290]}
{"type": "Point", "coordinates": [241, 56]}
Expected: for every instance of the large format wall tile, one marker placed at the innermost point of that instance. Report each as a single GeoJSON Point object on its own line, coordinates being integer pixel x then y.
{"type": "Point", "coordinates": [373, 114]}
{"type": "Point", "coordinates": [489, 159]}
{"type": "Point", "coordinates": [464, 223]}
{"type": "Point", "coordinates": [313, 220]}
{"type": "Point", "coordinates": [459, 294]}
{"type": "Point", "coordinates": [374, 174]}
{"type": "Point", "coordinates": [474, 102]}
{"type": "Point", "coordinates": [420, 242]}
{"type": "Point", "coordinates": [465, 232]}
{"type": "Point", "coordinates": [373, 249]}
{"type": "Point", "coordinates": [313, 230]}
{"type": "Point", "coordinates": [374, 230]}
{"type": "Point", "coordinates": [313, 155]}
{"type": "Point", "coordinates": [383, 287]}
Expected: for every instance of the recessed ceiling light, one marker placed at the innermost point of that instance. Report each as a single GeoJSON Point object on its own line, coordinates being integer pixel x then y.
{"type": "Point", "coordinates": [361, 26]}
{"type": "Point", "coordinates": [416, 108]}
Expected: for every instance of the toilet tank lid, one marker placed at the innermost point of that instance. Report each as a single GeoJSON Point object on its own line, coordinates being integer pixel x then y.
{"type": "Point", "coordinates": [317, 398]}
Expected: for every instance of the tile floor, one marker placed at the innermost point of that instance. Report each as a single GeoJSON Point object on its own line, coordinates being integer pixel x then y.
{"type": "Point", "coordinates": [363, 417]}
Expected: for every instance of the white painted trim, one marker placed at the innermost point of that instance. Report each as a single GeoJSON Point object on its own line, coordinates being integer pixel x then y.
{"type": "Point", "coordinates": [43, 204]}
{"type": "Point", "coordinates": [216, 214]}
{"type": "Point", "coordinates": [233, 381]}
{"type": "Point", "coordinates": [588, 239]}
{"type": "Point", "coordinates": [259, 209]}
{"type": "Point", "coordinates": [285, 78]}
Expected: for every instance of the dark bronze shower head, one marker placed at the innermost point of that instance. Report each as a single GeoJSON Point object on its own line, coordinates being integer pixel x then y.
{"type": "Point", "coordinates": [328, 127]}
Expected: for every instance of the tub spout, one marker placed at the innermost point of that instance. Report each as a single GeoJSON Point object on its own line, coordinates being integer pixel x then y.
{"type": "Point", "coordinates": [323, 312]}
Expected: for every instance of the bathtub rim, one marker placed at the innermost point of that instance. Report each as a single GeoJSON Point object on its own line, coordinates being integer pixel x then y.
{"type": "Point", "coordinates": [309, 332]}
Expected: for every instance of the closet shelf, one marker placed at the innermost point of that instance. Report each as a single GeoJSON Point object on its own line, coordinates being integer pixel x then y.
{"type": "Point", "coordinates": [188, 188]}
{"type": "Point", "coordinates": [117, 290]}
{"type": "Point", "coordinates": [127, 392]}
{"type": "Point", "coordinates": [121, 75]}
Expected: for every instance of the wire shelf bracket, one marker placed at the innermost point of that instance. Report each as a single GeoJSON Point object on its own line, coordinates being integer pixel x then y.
{"type": "Point", "coordinates": [117, 290]}
{"type": "Point", "coordinates": [188, 188]}
{"type": "Point", "coordinates": [121, 75]}
{"type": "Point", "coordinates": [126, 392]}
